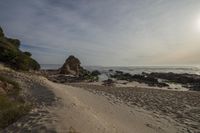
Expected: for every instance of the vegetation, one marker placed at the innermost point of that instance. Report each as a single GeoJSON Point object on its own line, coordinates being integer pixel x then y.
{"type": "Point", "coordinates": [10, 110]}
{"type": "Point", "coordinates": [16, 88]}
{"type": "Point", "coordinates": [11, 55]}
{"type": "Point", "coordinates": [12, 106]}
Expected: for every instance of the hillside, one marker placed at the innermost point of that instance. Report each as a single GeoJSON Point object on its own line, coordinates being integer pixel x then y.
{"type": "Point", "coordinates": [11, 55]}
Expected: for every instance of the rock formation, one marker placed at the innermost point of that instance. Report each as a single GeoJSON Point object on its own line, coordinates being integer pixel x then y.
{"type": "Point", "coordinates": [71, 66]}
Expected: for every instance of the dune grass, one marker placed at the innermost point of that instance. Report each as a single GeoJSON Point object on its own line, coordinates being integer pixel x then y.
{"type": "Point", "coordinates": [12, 106]}
{"type": "Point", "coordinates": [10, 111]}
{"type": "Point", "coordinates": [15, 91]}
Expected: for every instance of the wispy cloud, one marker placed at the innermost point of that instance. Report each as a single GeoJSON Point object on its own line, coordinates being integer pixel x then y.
{"type": "Point", "coordinates": [104, 32]}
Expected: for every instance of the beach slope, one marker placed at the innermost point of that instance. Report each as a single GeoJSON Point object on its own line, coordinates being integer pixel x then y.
{"type": "Point", "coordinates": [63, 108]}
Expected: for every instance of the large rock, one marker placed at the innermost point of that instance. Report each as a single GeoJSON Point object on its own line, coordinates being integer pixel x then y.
{"type": "Point", "coordinates": [71, 66]}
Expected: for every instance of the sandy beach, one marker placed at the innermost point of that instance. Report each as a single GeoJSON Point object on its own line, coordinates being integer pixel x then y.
{"type": "Point", "coordinates": [85, 108]}
{"type": "Point", "coordinates": [181, 106]}
{"type": "Point", "coordinates": [100, 66]}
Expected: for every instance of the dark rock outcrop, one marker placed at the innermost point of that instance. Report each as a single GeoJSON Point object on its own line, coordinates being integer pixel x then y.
{"type": "Point", "coordinates": [71, 66]}
{"type": "Point", "coordinates": [191, 81]}
{"type": "Point", "coordinates": [108, 82]}
{"type": "Point", "coordinates": [151, 81]}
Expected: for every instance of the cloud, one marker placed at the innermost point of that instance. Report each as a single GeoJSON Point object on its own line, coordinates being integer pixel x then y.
{"type": "Point", "coordinates": [106, 32]}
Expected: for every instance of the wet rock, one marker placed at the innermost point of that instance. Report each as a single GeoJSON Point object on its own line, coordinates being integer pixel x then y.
{"type": "Point", "coordinates": [151, 81]}
{"type": "Point", "coordinates": [191, 81]}
{"type": "Point", "coordinates": [108, 82]}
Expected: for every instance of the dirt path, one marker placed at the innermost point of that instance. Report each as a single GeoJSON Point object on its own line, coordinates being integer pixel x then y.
{"type": "Point", "coordinates": [61, 108]}
{"type": "Point", "coordinates": [88, 112]}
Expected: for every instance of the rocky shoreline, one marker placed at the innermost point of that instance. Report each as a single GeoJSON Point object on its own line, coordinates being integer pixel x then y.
{"type": "Point", "coordinates": [160, 80]}
{"type": "Point", "coordinates": [72, 71]}
{"type": "Point", "coordinates": [156, 79]}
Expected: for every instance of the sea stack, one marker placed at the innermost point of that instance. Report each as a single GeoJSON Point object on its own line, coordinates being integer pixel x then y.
{"type": "Point", "coordinates": [71, 66]}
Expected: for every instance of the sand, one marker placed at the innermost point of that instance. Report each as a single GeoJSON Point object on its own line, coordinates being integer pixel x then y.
{"type": "Point", "coordinates": [63, 108]}
{"type": "Point", "coordinates": [181, 106]}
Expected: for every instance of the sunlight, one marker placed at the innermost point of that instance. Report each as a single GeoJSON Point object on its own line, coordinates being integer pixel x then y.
{"type": "Point", "coordinates": [198, 24]}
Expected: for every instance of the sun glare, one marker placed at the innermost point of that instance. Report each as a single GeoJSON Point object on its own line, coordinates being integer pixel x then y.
{"type": "Point", "coordinates": [198, 24]}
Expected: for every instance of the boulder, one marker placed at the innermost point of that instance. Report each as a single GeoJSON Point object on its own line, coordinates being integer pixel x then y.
{"type": "Point", "coordinates": [108, 82]}
{"type": "Point", "coordinates": [71, 66]}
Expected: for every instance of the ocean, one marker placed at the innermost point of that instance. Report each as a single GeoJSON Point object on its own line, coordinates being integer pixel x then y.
{"type": "Point", "coordinates": [136, 69]}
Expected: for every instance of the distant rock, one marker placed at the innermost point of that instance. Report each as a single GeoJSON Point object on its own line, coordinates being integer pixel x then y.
{"type": "Point", "coordinates": [108, 82]}
{"type": "Point", "coordinates": [191, 81]}
{"type": "Point", "coordinates": [72, 71]}
{"type": "Point", "coordinates": [149, 80]}
{"type": "Point", "coordinates": [71, 66]}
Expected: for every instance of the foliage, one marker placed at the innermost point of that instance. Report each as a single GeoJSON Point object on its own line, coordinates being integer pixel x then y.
{"type": "Point", "coordinates": [28, 54]}
{"type": "Point", "coordinates": [11, 55]}
{"type": "Point", "coordinates": [12, 107]}
{"type": "Point", "coordinates": [24, 62]}
{"type": "Point", "coordinates": [16, 89]}
{"type": "Point", "coordinates": [10, 111]}
{"type": "Point", "coordinates": [15, 42]}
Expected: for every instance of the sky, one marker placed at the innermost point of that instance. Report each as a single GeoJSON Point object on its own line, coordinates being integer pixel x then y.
{"type": "Point", "coordinates": [106, 32]}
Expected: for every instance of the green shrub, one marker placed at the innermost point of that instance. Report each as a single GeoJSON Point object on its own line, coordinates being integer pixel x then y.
{"type": "Point", "coordinates": [15, 42]}
{"type": "Point", "coordinates": [10, 111]}
{"type": "Point", "coordinates": [16, 87]}
{"type": "Point", "coordinates": [28, 54]}
{"type": "Point", "coordinates": [12, 106]}
{"type": "Point", "coordinates": [11, 55]}
{"type": "Point", "coordinates": [34, 65]}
